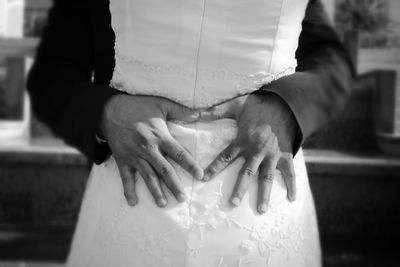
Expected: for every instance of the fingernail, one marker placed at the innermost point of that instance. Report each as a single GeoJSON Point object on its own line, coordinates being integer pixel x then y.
{"type": "Point", "coordinates": [181, 197]}
{"type": "Point", "coordinates": [291, 198]}
{"type": "Point", "coordinates": [206, 177]}
{"type": "Point", "coordinates": [235, 201]}
{"type": "Point", "coordinates": [199, 174]}
{"type": "Point", "coordinates": [162, 202]}
{"type": "Point", "coordinates": [262, 208]}
{"type": "Point", "coordinates": [132, 202]}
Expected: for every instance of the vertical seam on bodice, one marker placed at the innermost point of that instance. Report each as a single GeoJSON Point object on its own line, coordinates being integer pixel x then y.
{"type": "Point", "coordinates": [195, 125]}
{"type": "Point", "coordinates": [276, 35]}
{"type": "Point", "coordinates": [198, 53]}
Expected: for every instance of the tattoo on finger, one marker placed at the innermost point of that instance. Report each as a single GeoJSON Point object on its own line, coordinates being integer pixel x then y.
{"type": "Point", "coordinates": [268, 178]}
{"type": "Point", "coordinates": [179, 156]}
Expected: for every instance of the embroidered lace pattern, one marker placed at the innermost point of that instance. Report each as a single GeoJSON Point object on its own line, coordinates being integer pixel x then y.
{"type": "Point", "coordinates": [205, 230]}
{"type": "Point", "coordinates": [276, 235]}
{"type": "Point", "coordinates": [239, 83]}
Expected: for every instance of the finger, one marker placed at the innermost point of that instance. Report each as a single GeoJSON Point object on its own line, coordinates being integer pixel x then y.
{"type": "Point", "coordinates": [226, 157]}
{"type": "Point", "coordinates": [152, 181]}
{"type": "Point", "coordinates": [224, 110]}
{"type": "Point", "coordinates": [129, 178]}
{"type": "Point", "coordinates": [179, 112]}
{"type": "Point", "coordinates": [167, 173]}
{"type": "Point", "coordinates": [246, 175]}
{"type": "Point", "coordinates": [175, 151]}
{"type": "Point", "coordinates": [286, 167]}
{"type": "Point", "coordinates": [265, 181]}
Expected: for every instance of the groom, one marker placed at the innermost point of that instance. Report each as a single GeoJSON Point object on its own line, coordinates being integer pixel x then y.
{"type": "Point", "coordinates": [69, 88]}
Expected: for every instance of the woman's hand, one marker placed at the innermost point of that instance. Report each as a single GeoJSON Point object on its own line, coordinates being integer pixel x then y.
{"type": "Point", "coordinates": [136, 131]}
{"type": "Point", "coordinates": [266, 130]}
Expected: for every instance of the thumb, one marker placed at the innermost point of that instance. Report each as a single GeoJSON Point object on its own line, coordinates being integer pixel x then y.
{"type": "Point", "coordinates": [182, 113]}
{"type": "Point", "coordinates": [228, 109]}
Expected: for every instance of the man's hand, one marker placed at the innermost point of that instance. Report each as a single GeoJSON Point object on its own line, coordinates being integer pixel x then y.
{"type": "Point", "coordinates": [136, 131]}
{"type": "Point", "coordinates": [266, 131]}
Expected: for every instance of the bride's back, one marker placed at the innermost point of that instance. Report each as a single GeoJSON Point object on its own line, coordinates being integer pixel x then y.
{"type": "Point", "coordinates": [200, 53]}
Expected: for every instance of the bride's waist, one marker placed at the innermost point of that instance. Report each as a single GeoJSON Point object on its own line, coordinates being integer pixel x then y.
{"type": "Point", "coordinates": [225, 128]}
{"type": "Point", "coordinates": [204, 139]}
{"type": "Point", "coordinates": [200, 89]}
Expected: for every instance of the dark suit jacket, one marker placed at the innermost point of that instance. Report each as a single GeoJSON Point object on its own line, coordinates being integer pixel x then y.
{"type": "Point", "coordinates": [69, 81]}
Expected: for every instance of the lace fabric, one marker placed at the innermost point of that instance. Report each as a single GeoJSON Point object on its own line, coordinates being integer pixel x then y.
{"type": "Point", "coordinates": [239, 83]}
{"type": "Point", "coordinates": [199, 53]}
{"type": "Point", "coordinates": [203, 231]}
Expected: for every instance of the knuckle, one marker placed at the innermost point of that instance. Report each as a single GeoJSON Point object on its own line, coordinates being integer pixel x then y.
{"type": "Point", "coordinates": [176, 190]}
{"type": "Point", "coordinates": [212, 170]}
{"type": "Point", "coordinates": [275, 140]}
{"type": "Point", "coordinates": [258, 157]}
{"type": "Point", "coordinates": [258, 147]}
{"type": "Point", "coordinates": [273, 154]}
{"type": "Point", "coordinates": [124, 180]}
{"type": "Point", "coordinates": [153, 186]}
{"type": "Point", "coordinates": [290, 176]}
{"type": "Point", "coordinates": [149, 177]}
{"type": "Point", "coordinates": [269, 161]}
{"type": "Point", "coordinates": [146, 144]}
{"type": "Point", "coordinates": [186, 111]}
{"type": "Point", "coordinates": [150, 146]}
{"type": "Point", "coordinates": [287, 155]}
{"type": "Point", "coordinates": [271, 140]}
{"type": "Point", "coordinates": [165, 170]}
{"type": "Point", "coordinates": [141, 128]}
{"type": "Point", "coordinates": [260, 136]}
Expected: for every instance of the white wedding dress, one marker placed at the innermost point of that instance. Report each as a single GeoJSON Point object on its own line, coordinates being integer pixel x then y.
{"type": "Point", "coordinates": [199, 53]}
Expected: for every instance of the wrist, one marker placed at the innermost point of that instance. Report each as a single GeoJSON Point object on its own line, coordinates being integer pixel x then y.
{"type": "Point", "coordinates": [108, 110]}
{"type": "Point", "coordinates": [286, 125]}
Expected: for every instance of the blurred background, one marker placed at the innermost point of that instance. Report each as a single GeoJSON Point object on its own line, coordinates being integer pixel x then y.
{"type": "Point", "coordinates": [353, 163]}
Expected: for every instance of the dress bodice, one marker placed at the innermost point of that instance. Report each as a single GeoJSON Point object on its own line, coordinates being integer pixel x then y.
{"type": "Point", "coordinates": [202, 52]}
{"type": "Point", "coordinates": [199, 53]}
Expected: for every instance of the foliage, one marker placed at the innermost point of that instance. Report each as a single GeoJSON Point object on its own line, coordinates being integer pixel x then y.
{"type": "Point", "coordinates": [370, 18]}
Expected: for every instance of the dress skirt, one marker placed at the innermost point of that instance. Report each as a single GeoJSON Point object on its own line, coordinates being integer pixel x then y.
{"type": "Point", "coordinates": [203, 231]}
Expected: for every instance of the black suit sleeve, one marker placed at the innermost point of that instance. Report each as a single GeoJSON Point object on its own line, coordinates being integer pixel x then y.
{"type": "Point", "coordinates": [60, 83]}
{"type": "Point", "coordinates": [323, 76]}
{"type": "Point", "coordinates": [66, 98]}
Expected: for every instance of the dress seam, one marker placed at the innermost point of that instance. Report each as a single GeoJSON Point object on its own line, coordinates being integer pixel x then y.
{"type": "Point", "coordinates": [275, 37]}
{"type": "Point", "coordinates": [195, 124]}
{"type": "Point", "coordinates": [198, 53]}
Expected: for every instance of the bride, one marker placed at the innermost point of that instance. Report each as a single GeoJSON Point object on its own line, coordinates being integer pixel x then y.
{"type": "Point", "coordinates": [202, 170]}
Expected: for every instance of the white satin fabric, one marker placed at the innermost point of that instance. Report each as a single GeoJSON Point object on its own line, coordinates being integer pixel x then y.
{"type": "Point", "coordinates": [202, 52]}
{"type": "Point", "coordinates": [199, 53]}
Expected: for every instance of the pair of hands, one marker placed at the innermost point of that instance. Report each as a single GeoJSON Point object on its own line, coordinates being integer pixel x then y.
{"type": "Point", "coordinates": [136, 130]}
